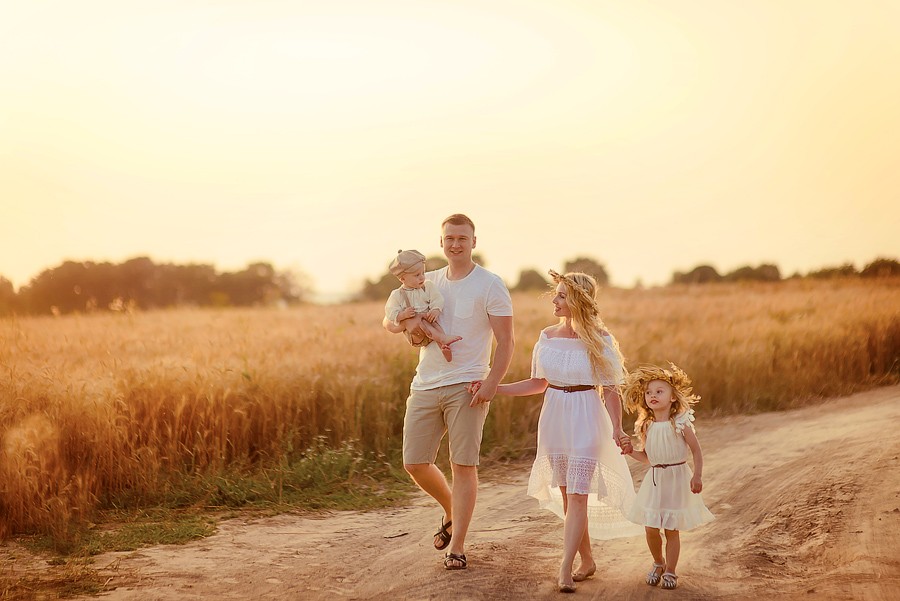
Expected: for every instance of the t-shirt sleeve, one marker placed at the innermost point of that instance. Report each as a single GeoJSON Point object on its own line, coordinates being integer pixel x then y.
{"type": "Point", "coordinates": [499, 302]}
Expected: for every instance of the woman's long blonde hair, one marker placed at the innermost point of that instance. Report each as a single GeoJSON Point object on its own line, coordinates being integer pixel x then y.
{"type": "Point", "coordinates": [581, 296]}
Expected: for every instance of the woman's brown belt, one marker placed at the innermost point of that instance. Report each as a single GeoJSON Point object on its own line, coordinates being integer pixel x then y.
{"type": "Point", "coordinates": [576, 388]}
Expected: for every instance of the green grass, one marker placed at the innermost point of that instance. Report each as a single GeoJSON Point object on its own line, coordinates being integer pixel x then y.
{"type": "Point", "coordinates": [189, 507]}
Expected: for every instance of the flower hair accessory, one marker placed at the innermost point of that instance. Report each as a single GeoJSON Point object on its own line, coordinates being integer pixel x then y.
{"type": "Point", "coordinates": [573, 285]}
{"type": "Point", "coordinates": [636, 382]}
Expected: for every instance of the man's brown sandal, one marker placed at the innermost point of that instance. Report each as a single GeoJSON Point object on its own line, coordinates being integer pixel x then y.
{"type": "Point", "coordinates": [443, 535]}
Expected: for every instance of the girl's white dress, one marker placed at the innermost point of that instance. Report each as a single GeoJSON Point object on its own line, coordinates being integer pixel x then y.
{"type": "Point", "coordinates": [575, 446]}
{"type": "Point", "coordinates": [665, 499]}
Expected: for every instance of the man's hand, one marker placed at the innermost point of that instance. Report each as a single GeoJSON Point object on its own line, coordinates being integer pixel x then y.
{"type": "Point", "coordinates": [484, 393]}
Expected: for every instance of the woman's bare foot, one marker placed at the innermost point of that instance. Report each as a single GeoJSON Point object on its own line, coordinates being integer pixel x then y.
{"type": "Point", "coordinates": [583, 572]}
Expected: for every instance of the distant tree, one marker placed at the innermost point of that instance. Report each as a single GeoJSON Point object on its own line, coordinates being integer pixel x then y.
{"type": "Point", "coordinates": [9, 301]}
{"type": "Point", "coordinates": [531, 279]}
{"type": "Point", "coordinates": [763, 273]}
{"type": "Point", "coordinates": [881, 268]}
{"type": "Point", "coordinates": [844, 271]}
{"type": "Point", "coordinates": [702, 274]}
{"type": "Point", "coordinates": [590, 267]}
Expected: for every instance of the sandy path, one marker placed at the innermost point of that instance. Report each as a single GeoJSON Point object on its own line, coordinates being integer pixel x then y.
{"type": "Point", "coordinates": [807, 505]}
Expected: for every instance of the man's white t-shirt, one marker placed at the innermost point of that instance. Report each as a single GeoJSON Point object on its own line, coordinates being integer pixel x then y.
{"type": "Point", "coordinates": [467, 304]}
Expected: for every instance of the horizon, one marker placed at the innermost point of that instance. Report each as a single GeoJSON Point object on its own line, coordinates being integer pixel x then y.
{"type": "Point", "coordinates": [650, 137]}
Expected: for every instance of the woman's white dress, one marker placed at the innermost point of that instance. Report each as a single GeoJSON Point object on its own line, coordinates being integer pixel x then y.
{"type": "Point", "coordinates": [665, 499]}
{"type": "Point", "coordinates": [575, 446]}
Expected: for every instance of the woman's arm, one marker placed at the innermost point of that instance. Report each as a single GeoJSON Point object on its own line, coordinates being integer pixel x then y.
{"type": "Point", "coordinates": [694, 445]}
{"type": "Point", "coordinates": [523, 387]}
{"type": "Point", "coordinates": [614, 409]}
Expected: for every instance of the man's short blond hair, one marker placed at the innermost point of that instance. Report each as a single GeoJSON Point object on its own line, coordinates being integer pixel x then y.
{"type": "Point", "coordinates": [458, 219]}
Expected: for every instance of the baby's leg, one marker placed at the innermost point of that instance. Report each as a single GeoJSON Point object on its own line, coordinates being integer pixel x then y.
{"type": "Point", "coordinates": [436, 333]}
{"type": "Point", "coordinates": [673, 549]}
{"type": "Point", "coordinates": [417, 335]}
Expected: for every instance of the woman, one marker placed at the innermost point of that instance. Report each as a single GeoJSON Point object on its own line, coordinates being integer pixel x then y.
{"type": "Point", "coordinates": [579, 472]}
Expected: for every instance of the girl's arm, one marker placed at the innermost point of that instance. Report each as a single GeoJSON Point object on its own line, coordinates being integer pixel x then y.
{"type": "Point", "coordinates": [691, 439]}
{"type": "Point", "coordinates": [640, 456]}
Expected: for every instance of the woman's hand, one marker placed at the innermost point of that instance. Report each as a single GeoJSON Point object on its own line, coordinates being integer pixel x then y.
{"type": "Point", "coordinates": [473, 387]}
{"type": "Point", "coordinates": [623, 441]}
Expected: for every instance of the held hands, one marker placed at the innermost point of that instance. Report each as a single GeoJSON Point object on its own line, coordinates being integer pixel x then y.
{"type": "Point", "coordinates": [696, 484]}
{"type": "Point", "coordinates": [406, 314]}
{"type": "Point", "coordinates": [482, 391]}
{"type": "Point", "coordinates": [623, 441]}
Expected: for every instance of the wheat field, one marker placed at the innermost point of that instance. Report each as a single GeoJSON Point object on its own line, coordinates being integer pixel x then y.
{"type": "Point", "coordinates": [109, 409]}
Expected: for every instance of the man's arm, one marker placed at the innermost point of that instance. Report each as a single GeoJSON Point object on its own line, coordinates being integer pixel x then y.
{"type": "Point", "coordinates": [503, 332]}
{"type": "Point", "coordinates": [391, 327]}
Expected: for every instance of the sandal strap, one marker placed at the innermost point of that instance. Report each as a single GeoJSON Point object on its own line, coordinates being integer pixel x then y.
{"type": "Point", "coordinates": [460, 557]}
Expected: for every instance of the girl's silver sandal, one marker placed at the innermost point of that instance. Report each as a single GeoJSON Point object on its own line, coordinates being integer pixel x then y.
{"type": "Point", "coordinates": [669, 580]}
{"type": "Point", "coordinates": [655, 573]}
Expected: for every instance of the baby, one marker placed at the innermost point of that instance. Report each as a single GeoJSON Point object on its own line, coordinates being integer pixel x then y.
{"type": "Point", "coordinates": [417, 303]}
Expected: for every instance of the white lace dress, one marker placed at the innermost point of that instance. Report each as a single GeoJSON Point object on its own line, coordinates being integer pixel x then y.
{"type": "Point", "coordinates": [665, 499]}
{"type": "Point", "coordinates": [575, 446]}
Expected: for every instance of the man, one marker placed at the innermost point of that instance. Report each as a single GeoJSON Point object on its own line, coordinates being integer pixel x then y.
{"type": "Point", "coordinates": [477, 307]}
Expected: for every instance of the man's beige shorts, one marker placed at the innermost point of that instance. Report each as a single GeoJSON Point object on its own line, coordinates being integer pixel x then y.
{"type": "Point", "coordinates": [431, 413]}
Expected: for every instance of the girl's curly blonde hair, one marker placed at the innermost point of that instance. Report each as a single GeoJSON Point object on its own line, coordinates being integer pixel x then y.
{"type": "Point", "coordinates": [581, 296]}
{"type": "Point", "coordinates": [636, 384]}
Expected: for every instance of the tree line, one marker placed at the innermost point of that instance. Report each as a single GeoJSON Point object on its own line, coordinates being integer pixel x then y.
{"type": "Point", "coordinates": [140, 283]}
{"type": "Point", "coordinates": [532, 279]}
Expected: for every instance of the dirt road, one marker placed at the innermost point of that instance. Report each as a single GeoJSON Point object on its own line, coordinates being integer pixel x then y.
{"type": "Point", "coordinates": [807, 505]}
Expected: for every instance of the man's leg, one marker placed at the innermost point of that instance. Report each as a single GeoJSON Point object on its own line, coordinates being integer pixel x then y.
{"type": "Point", "coordinates": [431, 479]}
{"type": "Point", "coordinates": [464, 424]}
{"type": "Point", "coordinates": [423, 428]}
{"type": "Point", "coordinates": [465, 492]}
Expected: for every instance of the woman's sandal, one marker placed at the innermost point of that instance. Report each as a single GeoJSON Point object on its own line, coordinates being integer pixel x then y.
{"type": "Point", "coordinates": [459, 558]}
{"type": "Point", "coordinates": [655, 573]}
{"type": "Point", "coordinates": [669, 580]}
{"type": "Point", "coordinates": [443, 535]}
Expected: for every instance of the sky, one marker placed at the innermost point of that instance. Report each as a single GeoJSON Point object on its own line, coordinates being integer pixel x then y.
{"type": "Point", "coordinates": [322, 137]}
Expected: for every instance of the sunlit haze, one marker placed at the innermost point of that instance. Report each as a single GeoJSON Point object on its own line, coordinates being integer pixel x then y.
{"type": "Point", "coordinates": [324, 136]}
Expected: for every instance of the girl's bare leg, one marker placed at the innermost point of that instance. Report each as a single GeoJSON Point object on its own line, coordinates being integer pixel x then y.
{"type": "Point", "coordinates": [654, 542]}
{"type": "Point", "coordinates": [673, 549]}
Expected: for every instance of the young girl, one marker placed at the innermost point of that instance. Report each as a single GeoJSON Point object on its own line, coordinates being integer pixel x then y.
{"type": "Point", "coordinates": [669, 498]}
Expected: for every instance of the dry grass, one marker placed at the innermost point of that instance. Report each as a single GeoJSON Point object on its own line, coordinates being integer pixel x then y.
{"type": "Point", "coordinates": [106, 409]}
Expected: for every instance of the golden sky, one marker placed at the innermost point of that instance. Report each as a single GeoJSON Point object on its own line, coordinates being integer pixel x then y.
{"type": "Point", "coordinates": [324, 136]}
